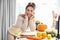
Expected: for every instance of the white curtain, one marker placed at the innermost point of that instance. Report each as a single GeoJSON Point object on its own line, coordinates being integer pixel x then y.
{"type": "Point", "coordinates": [7, 16]}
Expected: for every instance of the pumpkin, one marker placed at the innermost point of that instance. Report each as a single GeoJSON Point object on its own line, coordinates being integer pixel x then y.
{"type": "Point", "coordinates": [41, 27]}
{"type": "Point", "coordinates": [44, 35]}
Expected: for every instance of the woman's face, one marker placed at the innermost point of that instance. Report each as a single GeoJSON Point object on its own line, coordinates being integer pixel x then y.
{"type": "Point", "coordinates": [29, 11]}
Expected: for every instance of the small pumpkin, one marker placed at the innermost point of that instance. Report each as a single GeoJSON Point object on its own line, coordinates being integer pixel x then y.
{"type": "Point", "coordinates": [41, 27]}
{"type": "Point", "coordinates": [44, 35]}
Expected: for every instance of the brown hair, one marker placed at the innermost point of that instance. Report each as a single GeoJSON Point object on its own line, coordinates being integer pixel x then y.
{"type": "Point", "coordinates": [30, 4]}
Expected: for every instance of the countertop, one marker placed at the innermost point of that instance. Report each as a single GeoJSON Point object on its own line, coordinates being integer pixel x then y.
{"type": "Point", "coordinates": [31, 33]}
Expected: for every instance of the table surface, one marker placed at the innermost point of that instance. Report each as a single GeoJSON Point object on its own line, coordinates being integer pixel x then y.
{"type": "Point", "coordinates": [31, 33]}
{"type": "Point", "coordinates": [43, 39]}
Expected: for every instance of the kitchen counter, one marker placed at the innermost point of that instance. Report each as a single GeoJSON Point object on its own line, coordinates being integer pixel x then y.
{"type": "Point", "coordinates": [30, 33]}
{"type": "Point", "coordinates": [42, 39]}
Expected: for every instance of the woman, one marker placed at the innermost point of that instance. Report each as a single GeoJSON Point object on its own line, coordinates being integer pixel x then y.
{"type": "Point", "coordinates": [27, 20]}
{"type": "Point", "coordinates": [24, 21]}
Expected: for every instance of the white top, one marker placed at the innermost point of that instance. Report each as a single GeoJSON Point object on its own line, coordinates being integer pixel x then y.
{"type": "Point", "coordinates": [23, 23]}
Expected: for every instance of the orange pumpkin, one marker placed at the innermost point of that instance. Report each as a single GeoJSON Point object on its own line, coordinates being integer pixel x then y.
{"type": "Point", "coordinates": [44, 35]}
{"type": "Point", "coordinates": [41, 27]}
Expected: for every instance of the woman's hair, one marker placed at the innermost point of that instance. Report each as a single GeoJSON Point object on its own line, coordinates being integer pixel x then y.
{"type": "Point", "coordinates": [30, 4]}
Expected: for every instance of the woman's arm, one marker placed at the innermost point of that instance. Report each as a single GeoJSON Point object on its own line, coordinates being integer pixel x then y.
{"type": "Point", "coordinates": [22, 23]}
{"type": "Point", "coordinates": [32, 24]}
{"type": "Point", "coordinates": [25, 24]}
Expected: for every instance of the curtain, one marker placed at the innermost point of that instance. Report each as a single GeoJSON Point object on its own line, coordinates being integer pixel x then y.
{"type": "Point", "coordinates": [7, 16]}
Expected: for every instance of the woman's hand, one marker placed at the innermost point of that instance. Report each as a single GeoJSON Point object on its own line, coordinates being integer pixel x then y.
{"type": "Point", "coordinates": [32, 16]}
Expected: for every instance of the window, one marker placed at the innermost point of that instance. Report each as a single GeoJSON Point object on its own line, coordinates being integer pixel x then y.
{"type": "Point", "coordinates": [43, 10]}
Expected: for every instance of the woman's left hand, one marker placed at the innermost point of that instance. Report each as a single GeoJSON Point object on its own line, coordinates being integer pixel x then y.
{"type": "Point", "coordinates": [32, 16]}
